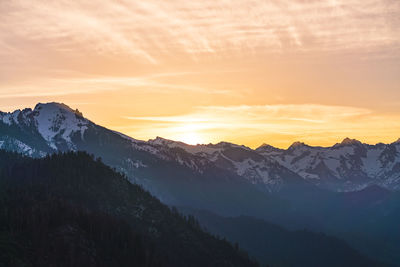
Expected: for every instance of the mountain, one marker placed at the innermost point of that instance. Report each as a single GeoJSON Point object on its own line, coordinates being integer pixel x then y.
{"type": "Point", "coordinates": [274, 245]}
{"type": "Point", "coordinates": [332, 190]}
{"type": "Point", "coordinates": [346, 166]}
{"type": "Point", "coordinates": [71, 210]}
{"type": "Point", "coordinates": [241, 160]}
{"type": "Point", "coordinates": [53, 127]}
{"type": "Point", "coordinates": [171, 173]}
{"type": "Point", "coordinates": [46, 129]}
{"type": "Point", "coordinates": [228, 179]}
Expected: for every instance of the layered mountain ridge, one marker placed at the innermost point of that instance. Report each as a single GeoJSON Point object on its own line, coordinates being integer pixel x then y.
{"type": "Point", "coordinates": [346, 166]}
{"type": "Point", "coordinates": [337, 190]}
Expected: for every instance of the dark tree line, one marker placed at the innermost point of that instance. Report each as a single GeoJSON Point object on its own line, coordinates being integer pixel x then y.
{"type": "Point", "coordinates": [71, 210]}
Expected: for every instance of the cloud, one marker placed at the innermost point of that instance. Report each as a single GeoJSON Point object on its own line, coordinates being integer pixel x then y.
{"type": "Point", "coordinates": [259, 115]}
{"type": "Point", "coordinates": [86, 84]}
{"type": "Point", "coordinates": [150, 30]}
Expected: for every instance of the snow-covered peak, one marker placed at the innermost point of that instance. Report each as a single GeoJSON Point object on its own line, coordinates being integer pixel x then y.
{"type": "Point", "coordinates": [228, 145]}
{"type": "Point", "coordinates": [15, 117]}
{"type": "Point", "coordinates": [349, 142]}
{"type": "Point", "coordinates": [51, 106]}
{"type": "Point", "coordinates": [192, 149]}
{"type": "Point", "coordinates": [267, 148]}
{"type": "Point", "coordinates": [55, 122]}
{"type": "Point", "coordinates": [297, 144]}
{"type": "Point", "coordinates": [163, 142]}
{"type": "Point", "coordinates": [9, 118]}
{"type": "Point", "coordinates": [58, 120]}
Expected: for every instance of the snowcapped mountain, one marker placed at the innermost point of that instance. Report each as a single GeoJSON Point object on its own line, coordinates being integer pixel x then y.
{"type": "Point", "coordinates": [347, 166]}
{"type": "Point", "coordinates": [47, 128]}
{"type": "Point", "coordinates": [283, 186]}
{"type": "Point", "coordinates": [238, 159]}
{"type": "Point", "coordinates": [174, 175]}
{"type": "Point", "coordinates": [53, 127]}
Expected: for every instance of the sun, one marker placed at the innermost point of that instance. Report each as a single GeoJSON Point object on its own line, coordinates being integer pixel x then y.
{"type": "Point", "coordinates": [191, 138]}
{"type": "Point", "coordinates": [189, 133]}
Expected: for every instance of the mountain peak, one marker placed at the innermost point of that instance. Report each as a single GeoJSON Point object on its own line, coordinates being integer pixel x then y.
{"type": "Point", "coordinates": [225, 144]}
{"type": "Point", "coordinates": [267, 148]}
{"type": "Point", "coordinates": [297, 144]}
{"type": "Point", "coordinates": [161, 141]}
{"type": "Point", "coordinates": [58, 121]}
{"type": "Point", "coordinates": [40, 106]}
{"type": "Point", "coordinates": [54, 107]}
{"type": "Point", "coordinates": [348, 141]}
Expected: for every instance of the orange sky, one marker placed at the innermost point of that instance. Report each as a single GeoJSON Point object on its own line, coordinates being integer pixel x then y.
{"type": "Point", "coordinates": [249, 72]}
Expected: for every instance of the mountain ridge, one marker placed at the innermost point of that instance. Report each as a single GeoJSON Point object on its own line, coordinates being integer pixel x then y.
{"type": "Point", "coordinates": [346, 166]}
{"type": "Point", "coordinates": [276, 185]}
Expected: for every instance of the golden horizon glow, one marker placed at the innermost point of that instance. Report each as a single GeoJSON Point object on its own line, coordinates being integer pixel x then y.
{"type": "Point", "coordinates": [243, 71]}
{"type": "Point", "coordinates": [278, 125]}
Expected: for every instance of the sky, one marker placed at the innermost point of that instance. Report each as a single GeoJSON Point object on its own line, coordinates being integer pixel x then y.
{"type": "Point", "coordinates": [248, 72]}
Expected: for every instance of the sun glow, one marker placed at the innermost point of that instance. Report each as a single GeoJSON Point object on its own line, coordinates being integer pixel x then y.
{"type": "Point", "coordinates": [191, 138]}
{"type": "Point", "coordinates": [279, 125]}
{"type": "Point", "coordinates": [189, 133]}
{"type": "Point", "coordinates": [202, 71]}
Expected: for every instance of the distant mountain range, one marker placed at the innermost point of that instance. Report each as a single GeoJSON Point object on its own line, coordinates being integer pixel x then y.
{"type": "Point", "coordinates": [349, 190]}
{"type": "Point", "coordinates": [346, 166]}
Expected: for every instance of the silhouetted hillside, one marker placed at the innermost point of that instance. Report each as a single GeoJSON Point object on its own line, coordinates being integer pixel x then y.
{"type": "Point", "coordinates": [72, 210]}
{"type": "Point", "coordinates": [272, 244]}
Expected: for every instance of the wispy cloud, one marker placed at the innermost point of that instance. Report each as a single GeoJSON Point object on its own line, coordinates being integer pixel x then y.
{"type": "Point", "coordinates": [109, 38]}
{"type": "Point", "coordinates": [86, 84]}
{"type": "Point", "coordinates": [149, 30]}
{"type": "Point", "coordinates": [245, 114]}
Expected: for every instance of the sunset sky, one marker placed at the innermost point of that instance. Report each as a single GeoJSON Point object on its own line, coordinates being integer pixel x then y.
{"type": "Point", "coordinates": [248, 72]}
